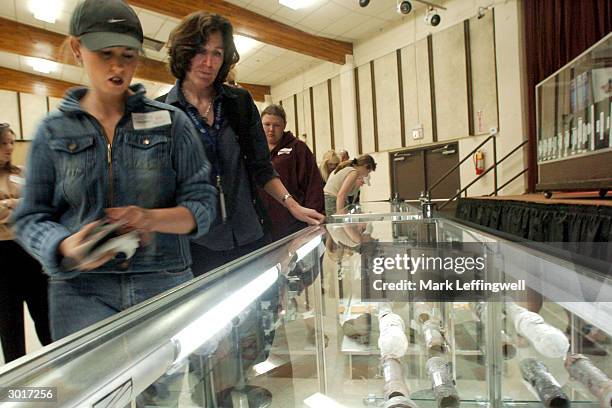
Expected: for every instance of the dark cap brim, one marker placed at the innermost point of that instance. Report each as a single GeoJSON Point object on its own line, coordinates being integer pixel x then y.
{"type": "Point", "coordinates": [100, 40]}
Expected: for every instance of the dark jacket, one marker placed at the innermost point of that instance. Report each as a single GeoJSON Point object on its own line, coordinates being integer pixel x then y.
{"type": "Point", "coordinates": [246, 164]}
{"type": "Point", "coordinates": [297, 168]}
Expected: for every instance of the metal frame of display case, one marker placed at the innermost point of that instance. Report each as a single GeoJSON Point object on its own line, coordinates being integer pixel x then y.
{"type": "Point", "coordinates": [131, 350]}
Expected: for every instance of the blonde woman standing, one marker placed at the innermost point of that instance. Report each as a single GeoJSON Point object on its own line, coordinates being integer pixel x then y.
{"type": "Point", "coordinates": [331, 160]}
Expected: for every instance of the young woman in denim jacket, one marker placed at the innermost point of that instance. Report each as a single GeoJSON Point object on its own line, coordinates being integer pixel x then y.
{"type": "Point", "coordinates": [112, 153]}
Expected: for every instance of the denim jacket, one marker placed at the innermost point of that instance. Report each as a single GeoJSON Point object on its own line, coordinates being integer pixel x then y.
{"type": "Point", "coordinates": [74, 174]}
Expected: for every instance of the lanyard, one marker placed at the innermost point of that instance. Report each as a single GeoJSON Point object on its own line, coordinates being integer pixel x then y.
{"type": "Point", "coordinates": [212, 142]}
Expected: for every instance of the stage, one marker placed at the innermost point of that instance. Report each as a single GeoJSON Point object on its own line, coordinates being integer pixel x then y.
{"type": "Point", "coordinates": [578, 226]}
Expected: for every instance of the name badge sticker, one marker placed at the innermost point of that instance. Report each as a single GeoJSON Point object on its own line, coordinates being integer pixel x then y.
{"type": "Point", "coordinates": [151, 119]}
{"type": "Point", "coordinates": [286, 150]}
{"type": "Point", "coordinates": [13, 178]}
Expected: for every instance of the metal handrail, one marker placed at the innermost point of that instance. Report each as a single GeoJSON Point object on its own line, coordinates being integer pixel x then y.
{"type": "Point", "coordinates": [493, 167]}
{"type": "Point", "coordinates": [469, 155]}
{"type": "Point", "coordinates": [512, 179]}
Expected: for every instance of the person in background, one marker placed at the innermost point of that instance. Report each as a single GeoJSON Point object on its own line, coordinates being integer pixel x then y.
{"type": "Point", "coordinates": [331, 160]}
{"type": "Point", "coordinates": [344, 156]}
{"type": "Point", "coordinates": [111, 153]}
{"type": "Point", "coordinates": [21, 279]}
{"type": "Point", "coordinates": [201, 53]}
{"type": "Point", "coordinates": [346, 181]}
{"type": "Point", "coordinates": [298, 171]}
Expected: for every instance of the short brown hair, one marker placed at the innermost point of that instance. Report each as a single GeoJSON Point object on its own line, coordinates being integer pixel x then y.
{"type": "Point", "coordinates": [275, 110]}
{"type": "Point", "coordinates": [188, 38]}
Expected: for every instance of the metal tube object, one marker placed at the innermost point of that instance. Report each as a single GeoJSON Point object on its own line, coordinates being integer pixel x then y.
{"type": "Point", "coordinates": [582, 369]}
{"type": "Point", "coordinates": [433, 338]}
{"type": "Point", "coordinates": [393, 373]}
{"type": "Point", "coordinates": [548, 389]}
{"type": "Point", "coordinates": [442, 382]}
{"type": "Point", "coordinates": [422, 311]}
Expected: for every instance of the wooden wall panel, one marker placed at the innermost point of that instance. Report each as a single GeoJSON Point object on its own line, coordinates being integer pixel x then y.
{"type": "Point", "coordinates": [33, 109]}
{"type": "Point", "coordinates": [336, 97]}
{"type": "Point", "coordinates": [288, 106]}
{"type": "Point", "coordinates": [301, 119]}
{"type": "Point", "coordinates": [450, 83]}
{"type": "Point", "coordinates": [54, 103]}
{"type": "Point", "coordinates": [10, 111]}
{"type": "Point", "coordinates": [387, 102]}
{"type": "Point", "coordinates": [307, 118]}
{"type": "Point", "coordinates": [417, 98]}
{"type": "Point", "coordinates": [366, 109]}
{"type": "Point", "coordinates": [322, 123]}
{"type": "Point", "coordinates": [484, 83]}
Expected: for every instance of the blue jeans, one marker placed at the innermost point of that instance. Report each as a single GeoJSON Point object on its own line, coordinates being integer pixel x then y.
{"type": "Point", "coordinates": [91, 297]}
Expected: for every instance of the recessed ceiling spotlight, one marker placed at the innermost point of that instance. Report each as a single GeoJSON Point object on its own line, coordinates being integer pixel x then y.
{"type": "Point", "coordinates": [45, 10]}
{"type": "Point", "coordinates": [42, 65]}
{"type": "Point", "coordinates": [296, 4]}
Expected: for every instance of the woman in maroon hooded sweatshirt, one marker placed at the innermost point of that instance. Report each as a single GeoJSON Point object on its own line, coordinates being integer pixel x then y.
{"type": "Point", "coordinates": [297, 168]}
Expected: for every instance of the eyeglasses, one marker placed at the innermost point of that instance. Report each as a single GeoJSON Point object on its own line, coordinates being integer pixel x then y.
{"type": "Point", "coordinates": [4, 125]}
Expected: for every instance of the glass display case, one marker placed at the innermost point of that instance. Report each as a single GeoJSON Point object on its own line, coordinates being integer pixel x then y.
{"type": "Point", "coordinates": [377, 211]}
{"type": "Point", "coordinates": [304, 323]}
{"type": "Point", "coordinates": [574, 110]}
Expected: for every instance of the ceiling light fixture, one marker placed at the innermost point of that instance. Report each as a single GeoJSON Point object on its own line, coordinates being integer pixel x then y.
{"type": "Point", "coordinates": [244, 44]}
{"type": "Point", "coordinates": [295, 4]}
{"type": "Point", "coordinates": [45, 10]}
{"type": "Point", "coordinates": [42, 65]}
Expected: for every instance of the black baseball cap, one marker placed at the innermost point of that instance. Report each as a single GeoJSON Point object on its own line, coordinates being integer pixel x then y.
{"type": "Point", "coordinates": [106, 23]}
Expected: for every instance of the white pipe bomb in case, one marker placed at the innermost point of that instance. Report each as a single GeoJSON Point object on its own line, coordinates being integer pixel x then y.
{"type": "Point", "coordinates": [547, 340]}
{"type": "Point", "coordinates": [582, 369]}
{"type": "Point", "coordinates": [545, 385]}
{"type": "Point", "coordinates": [392, 340]}
{"type": "Point", "coordinates": [442, 382]}
{"type": "Point", "coordinates": [434, 341]}
{"type": "Point", "coordinates": [422, 311]}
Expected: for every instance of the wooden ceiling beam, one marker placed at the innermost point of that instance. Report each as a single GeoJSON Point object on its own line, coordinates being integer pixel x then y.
{"type": "Point", "coordinates": [19, 81]}
{"type": "Point", "coordinates": [256, 26]}
{"type": "Point", "coordinates": [22, 39]}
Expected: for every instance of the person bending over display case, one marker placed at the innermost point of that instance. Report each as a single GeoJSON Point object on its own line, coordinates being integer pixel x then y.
{"type": "Point", "coordinates": [346, 181]}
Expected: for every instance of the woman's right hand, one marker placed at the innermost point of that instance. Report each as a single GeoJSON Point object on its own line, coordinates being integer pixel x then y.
{"type": "Point", "coordinates": [74, 249]}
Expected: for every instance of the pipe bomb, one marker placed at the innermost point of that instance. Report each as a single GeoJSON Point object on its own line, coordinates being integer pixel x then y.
{"type": "Point", "coordinates": [432, 335]}
{"type": "Point", "coordinates": [422, 311]}
{"type": "Point", "coordinates": [392, 340]}
{"type": "Point", "coordinates": [399, 402]}
{"type": "Point", "coordinates": [548, 389]}
{"type": "Point", "coordinates": [393, 373]}
{"type": "Point", "coordinates": [508, 346]}
{"type": "Point", "coordinates": [582, 369]}
{"type": "Point", "coordinates": [442, 382]}
{"type": "Point", "coordinates": [547, 340]}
